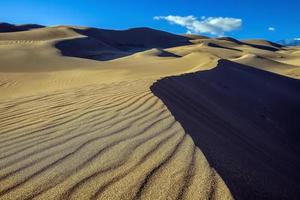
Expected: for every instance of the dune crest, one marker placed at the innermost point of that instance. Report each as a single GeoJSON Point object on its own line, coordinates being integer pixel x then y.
{"type": "Point", "coordinates": [258, 156]}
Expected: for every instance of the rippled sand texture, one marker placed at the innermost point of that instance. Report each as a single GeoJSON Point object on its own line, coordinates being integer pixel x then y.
{"type": "Point", "coordinates": [113, 141]}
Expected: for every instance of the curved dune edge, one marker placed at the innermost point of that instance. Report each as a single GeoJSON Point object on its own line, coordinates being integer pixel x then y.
{"type": "Point", "coordinates": [245, 121]}
{"type": "Point", "coordinates": [116, 141]}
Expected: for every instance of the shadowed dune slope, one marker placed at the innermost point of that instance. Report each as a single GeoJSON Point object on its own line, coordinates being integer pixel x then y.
{"type": "Point", "coordinates": [259, 44]}
{"type": "Point", "coordinates": [263, 42]}
{"type": "Point", "coordinates": [6, 27]}
{"type": "Point", "coordinates": [135, 38]}
{"type": "Point", "coordinates": [100, 44]}
{"type": "Point", "coordinates": [89, 48]}
{"type": "Point", "coordinates": [246, 122]}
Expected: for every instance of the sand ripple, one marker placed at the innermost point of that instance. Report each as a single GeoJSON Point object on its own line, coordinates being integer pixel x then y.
{"type": "Point", "coordinates": [113, 141]}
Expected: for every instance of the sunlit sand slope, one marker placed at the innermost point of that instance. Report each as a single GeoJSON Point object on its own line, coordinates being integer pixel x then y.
{"type": "Point", "coordinates": [114, 141]}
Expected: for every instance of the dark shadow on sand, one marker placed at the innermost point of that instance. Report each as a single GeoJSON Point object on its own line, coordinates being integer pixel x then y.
{"type": "Point", "coordinates": [7, 28]}
{"type": "Point", "coordinates": [247, 123]}
{"type": "Point", "coordinates": [102, 45]}
{"type": "Point", "coordinates": [210, 44]}
{"type": "Point", "coordinates": [274, 47]}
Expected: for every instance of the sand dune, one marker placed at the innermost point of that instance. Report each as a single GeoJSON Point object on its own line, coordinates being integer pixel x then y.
{"type": "Point", "coordinates": [118, 136]}
{"type": "Point", "coordinates": [78, 119]}
{"type": "Point", "coordinates": [246, 122]}
{"type": "Point", "coordinates": [40, 34]}
{"type": "Point", "coordinates": [102, 45]}
{"type": "Point", "coordinates": [269, 65]}
{"type": "Point", "coordinates": [6, 27]}
{"type": "Point", "coordinates": [260, 43]}
{"type": "Point", "coordinates": [135, 38]}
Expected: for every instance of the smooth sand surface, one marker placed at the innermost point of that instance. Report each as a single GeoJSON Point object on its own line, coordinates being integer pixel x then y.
{"type": "Point", "coordinates": [79, 121]}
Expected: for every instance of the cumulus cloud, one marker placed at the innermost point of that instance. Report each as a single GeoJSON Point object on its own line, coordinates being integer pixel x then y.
{"type": "Point", "coordinates": [271, 29]}
{"type": "Point", "coordinates": [212, 25]}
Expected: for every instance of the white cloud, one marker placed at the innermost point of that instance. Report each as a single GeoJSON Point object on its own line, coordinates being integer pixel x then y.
{"type": "Point", "coordinates": [271, 29]}
{"type": "Point", "coordinates": [296, 38]}
{"type": "Point", "coordinates": [212, 25]}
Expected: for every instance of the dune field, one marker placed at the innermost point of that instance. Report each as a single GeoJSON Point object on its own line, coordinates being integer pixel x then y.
{"type": "Point", "coordinates": [88, 113]}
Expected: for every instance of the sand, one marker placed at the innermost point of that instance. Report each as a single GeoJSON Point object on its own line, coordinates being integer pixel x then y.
{"type": "Point", "coordinates": [79, 120]}
{"type": "Point", "coordinates": [246, 123]}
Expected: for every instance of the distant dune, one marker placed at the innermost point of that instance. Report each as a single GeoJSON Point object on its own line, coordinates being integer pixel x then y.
{"type": "Point", "coordinates": [5, 27]}
{"type": "Point", "coordinates": [88, 113]}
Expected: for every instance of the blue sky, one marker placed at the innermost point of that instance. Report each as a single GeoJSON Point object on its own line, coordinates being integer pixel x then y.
{"type": "Point", "coordinates": [255, 16]}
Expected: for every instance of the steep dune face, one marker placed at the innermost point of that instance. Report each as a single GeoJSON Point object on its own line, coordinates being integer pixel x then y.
{"type": "Point", "coordinates": [246, 122]}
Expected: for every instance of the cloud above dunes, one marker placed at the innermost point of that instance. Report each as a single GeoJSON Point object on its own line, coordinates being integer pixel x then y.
{"type": "Point", "coordinates": [211, 25]}
{"type": "Point", "coordinates": [271, 29]}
